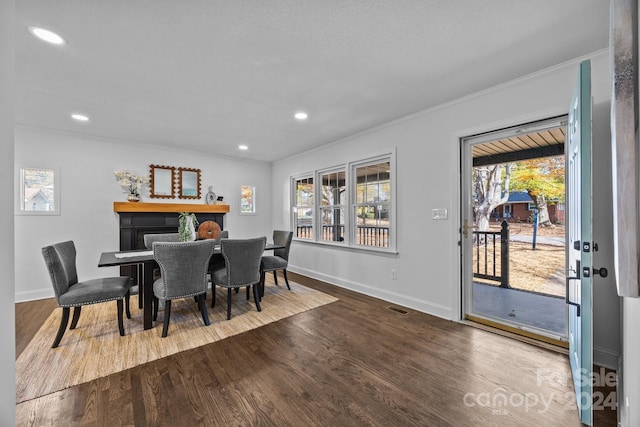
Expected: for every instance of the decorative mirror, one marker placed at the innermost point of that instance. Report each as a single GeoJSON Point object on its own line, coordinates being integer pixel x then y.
{"type": "Point", "coordinates": [161, 183]}
{"type": "Point", "coordinates": [189, 183]}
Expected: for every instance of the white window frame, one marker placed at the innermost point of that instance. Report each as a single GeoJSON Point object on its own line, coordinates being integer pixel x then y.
{"type": "Point", "coordinates": [254, 208]}
{"type": "Point", "coordinates": [349, 209]}
{"type": "Point", "coordinates": [295, 207]}
{"type": "Point", "coordinates": [20, 197]}
{"type": "Point", "coordinates": [507, 211]}
{"type": "Point", "coordinates": [343, 206]}
{"type": "Point", "coordinates": [390, 205]}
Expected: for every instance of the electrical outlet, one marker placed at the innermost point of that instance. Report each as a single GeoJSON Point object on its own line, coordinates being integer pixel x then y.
{"type": "Point", "coordinates": [394, 274]}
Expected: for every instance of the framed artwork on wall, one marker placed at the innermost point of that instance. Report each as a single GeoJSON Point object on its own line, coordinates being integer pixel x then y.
{"type": "Point", "coordinates": [188, 183]}
{"type": "Point", "coordinates": [161, 184]}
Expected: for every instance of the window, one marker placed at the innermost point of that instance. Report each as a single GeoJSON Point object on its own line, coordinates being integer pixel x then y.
{"type": "Point", "coordinates": [532, 207]}
{"type": "Point", "coordinates": [334, 197]}
{"type": "Point", "coordinates": [247, 200]}
{"type": "Point", "coordinates": [372, 202]}
{"type": "Point", "coordinates": [355, 205]}
{"type": "Point", "coordinates": [39, 192]}
{"type": "Point", "coordinates": [303, 206]}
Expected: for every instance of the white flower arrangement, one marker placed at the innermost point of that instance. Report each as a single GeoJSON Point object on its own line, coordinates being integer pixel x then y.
{"type": "Point", "coordinates": [132, 183]}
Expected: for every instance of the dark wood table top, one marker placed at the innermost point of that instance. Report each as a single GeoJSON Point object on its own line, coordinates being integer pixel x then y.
{"type": "Point", "coordinates": [111, 259]}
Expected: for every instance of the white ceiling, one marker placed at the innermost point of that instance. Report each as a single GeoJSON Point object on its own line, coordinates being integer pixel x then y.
{"type": "Point", "coordinates": [208, 75]}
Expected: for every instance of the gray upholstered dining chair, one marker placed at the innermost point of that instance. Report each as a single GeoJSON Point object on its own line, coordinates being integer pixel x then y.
{"type": "Point", "coordinates": [60, 259]}
{"type": "Point", "coordinates": [280, 258]}
{"type": "Point", "coordinates": [242, 268]}
{"type": "Point", "coordinates": [149, 239]}
{"type": "Point", "coordinates": [217, 260]}
{"type": "Point", "coordinates": [184, 267]}
{"type": "Point", "coordinates": [160, 237]}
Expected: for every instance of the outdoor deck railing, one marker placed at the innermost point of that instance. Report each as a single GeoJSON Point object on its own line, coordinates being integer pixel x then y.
{"type": "Point", "coordinates": [365, 235]}
{"type": "Point", "coordinates": [486, 254]}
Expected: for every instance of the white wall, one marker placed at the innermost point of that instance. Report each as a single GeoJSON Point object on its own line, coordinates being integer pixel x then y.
{"type": "Point", "coordinates": [7, 307]}
{"type": "Point", "coordinates": [89, 188]}
{"type": "Point", "coordinates": [607, 304]}
{"type": "Point", "coordinates": [428, 177]}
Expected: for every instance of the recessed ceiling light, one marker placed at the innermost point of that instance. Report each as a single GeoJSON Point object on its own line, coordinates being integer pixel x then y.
{"type": "Point", "coordinates": [80, 117]}
{"type": "Point", "coordinates": [243, 147]}
{"type": "Point", "coordinates": [46, 35]}
{"type": "Point", "coordinates": [301, 115]}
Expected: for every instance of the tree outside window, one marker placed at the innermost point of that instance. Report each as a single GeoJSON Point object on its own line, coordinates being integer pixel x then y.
{"type": "Point", "coordinates": [355, 204]}
{"type": "Point", "coordinates": [247, 199]}
{"type": "Point", "coordinates": [372, 204]}
{"type": "Point", "coordinates": [334, 193]}
{"type": "Point", "coordinates": [303, 207]}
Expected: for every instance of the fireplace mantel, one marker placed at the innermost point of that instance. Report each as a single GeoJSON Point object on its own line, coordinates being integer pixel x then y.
{"type": "Point", "coordinates": [168, 207]}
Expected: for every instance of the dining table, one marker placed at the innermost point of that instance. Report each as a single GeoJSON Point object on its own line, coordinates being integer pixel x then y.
{"type": "Point", "coordinates": [145, 263]}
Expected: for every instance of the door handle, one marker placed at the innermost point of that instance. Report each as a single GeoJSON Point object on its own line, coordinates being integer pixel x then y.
{"type": "Point", "coordinates": [566, 295]}
{"type": "Point", "coordinates": [465, 228]}
{"type": "Point", "coordinates": [603, 272]}
{"type": "Point", "coordinates": [566, 292]}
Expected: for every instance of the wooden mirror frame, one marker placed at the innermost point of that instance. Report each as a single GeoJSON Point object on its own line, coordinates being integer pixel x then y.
{"type": "Point", "coordinates": [158, 186]}
{"type": "Point", "coordinates": [188, 183]}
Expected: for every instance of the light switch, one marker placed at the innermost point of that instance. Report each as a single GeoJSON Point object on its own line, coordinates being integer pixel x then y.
{"type": "Point", "coordinates": [439, 214]}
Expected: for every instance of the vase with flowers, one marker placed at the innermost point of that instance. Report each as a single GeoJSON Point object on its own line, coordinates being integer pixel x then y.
{"type": "Point", "coordinates": [187, 223]}
{"type": "Point", "coordinates": [131, 183]}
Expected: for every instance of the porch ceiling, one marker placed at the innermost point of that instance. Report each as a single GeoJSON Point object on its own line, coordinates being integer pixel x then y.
{"type": "Point", "coordinates": [543, 143]}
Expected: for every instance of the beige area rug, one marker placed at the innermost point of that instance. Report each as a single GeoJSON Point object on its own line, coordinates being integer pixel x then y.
{"type": "Point", "coordinates": [95, 348]}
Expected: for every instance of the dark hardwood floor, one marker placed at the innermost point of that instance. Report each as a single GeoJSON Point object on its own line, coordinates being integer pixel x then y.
{"type": "Point", "coordinates": [352, 362]}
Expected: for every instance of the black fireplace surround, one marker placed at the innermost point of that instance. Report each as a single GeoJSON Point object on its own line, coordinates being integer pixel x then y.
{"type": "Point", "coordinates": [134, 226]}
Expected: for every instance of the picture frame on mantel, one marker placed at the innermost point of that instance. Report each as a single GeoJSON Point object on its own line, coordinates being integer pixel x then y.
{"type": "Point", "coordinates": [161, 183]}
{"type": "Point", "coordinates": [625, 153]}
{"type": "Point", "coordinates": [188, 183]}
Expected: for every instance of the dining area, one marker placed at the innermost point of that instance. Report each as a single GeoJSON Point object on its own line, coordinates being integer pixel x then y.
{"type": "Point", "coordinates": [169, 269]}
{"type": "Point", "coordinates": [182, 275]}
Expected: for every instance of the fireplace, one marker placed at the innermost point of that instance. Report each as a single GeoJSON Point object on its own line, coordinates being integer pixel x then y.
{"type": "Point", "coordinates": [138, 219]}
{"type": "Point", "coordinates": [134, 225]}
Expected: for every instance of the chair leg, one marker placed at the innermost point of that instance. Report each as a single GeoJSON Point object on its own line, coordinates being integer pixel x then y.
{"type": "Point", "coordinates": [156, 303]}
{"type": "Point", "coordinates": [213, 295]}
{"type": "Point", "coordinates": [167, 314]}
{"type": "Point", "coordinates": [120, 323]}
{"type": "Point", "coordinates": [247, 293]}
{"type": "Point", "coordinates": [284, 273]}
{"type": "Point", "coordinates": [256, 297]}
{"type": "Point", "coordinates": [63, 326]}
{"type": "Point", "coordinates": [275, 277]}
{"type": "Point", "coordinates": [76, 317]}
{"type": "Point", "coordinates": [229, 303]}
{"type": "Point", "coordinates": [127, 297]}
{"type": "Point", "coordinates": [262, 278]}
{"type": "Point", "coordinates": [203, 309]}
{"type": "Point", "coordinates": [140, 293]}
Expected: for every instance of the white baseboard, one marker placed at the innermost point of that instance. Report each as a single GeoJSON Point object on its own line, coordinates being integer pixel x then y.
{"type": "Point", "coordinates": [392, 297]}
{"type": "Point", "coordinates": [605, 358]}
{"type": "Point", "coordinates": [34, 295]}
